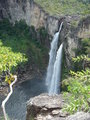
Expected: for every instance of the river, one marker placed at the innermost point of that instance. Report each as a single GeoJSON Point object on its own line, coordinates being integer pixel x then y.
{"type": "Point", "coordinates": [16, 106]}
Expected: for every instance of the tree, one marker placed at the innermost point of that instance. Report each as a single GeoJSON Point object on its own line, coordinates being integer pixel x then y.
{"type": "Point", "coordinates": [8, 62]}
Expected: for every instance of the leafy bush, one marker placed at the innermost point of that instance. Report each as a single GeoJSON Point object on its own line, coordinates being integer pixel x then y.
{"type": "Point", "coordinates": [79, 88]}
{"type": "Point", "coordinates": [82, 76]}
{"type": "Point", "coordinates": [80, 62]}
{"type": "Point", "coordinates": [9, 60]}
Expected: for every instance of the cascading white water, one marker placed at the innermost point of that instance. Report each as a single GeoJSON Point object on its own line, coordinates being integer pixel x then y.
{"type": "Point", "coordinates": [55, 82]}
{"type": "Point", "coordinates": [52, 57]}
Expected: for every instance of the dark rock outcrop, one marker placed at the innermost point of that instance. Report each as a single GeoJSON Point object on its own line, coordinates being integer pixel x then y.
{"type": "Point", "coordinates": [45, 107]}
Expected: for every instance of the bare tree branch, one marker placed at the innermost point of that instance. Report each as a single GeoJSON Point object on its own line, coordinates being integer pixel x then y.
{"type": "Point", "coordinates": [8, 96]}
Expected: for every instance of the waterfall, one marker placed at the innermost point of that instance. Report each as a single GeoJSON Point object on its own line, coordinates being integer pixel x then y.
{"type": "Point", "coordinates": [55, 82]}
{"type": "Point", "coordinates": [52, 57]}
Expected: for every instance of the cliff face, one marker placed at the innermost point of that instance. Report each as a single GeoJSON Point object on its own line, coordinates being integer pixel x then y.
{"type": "Point", "coordinates": [72, 35]}
{"type": "Point", "coordinates": [33, 14]}
{"type": "Point", "coordinates": [15, 10]}
{"type": "Point", "coordinates": [84, 28]}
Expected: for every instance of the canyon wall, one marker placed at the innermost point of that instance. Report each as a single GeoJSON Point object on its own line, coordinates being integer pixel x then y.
{"type": "Point", "coordinates": [28, 10]}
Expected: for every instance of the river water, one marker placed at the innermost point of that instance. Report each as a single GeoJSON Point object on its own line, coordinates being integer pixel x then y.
{"type": "Point", "coordinates": [16, 106]}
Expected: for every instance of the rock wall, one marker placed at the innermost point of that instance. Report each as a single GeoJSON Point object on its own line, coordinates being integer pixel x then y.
{"type": "Point", "coordinates": [84, 28]}
{"type": "Point", "coordinates": [72, 35]}
{"type": "Point", "coordinates": [15, 10]}
{"type": "Point", "coordinates": [29, 11]}
{"type": "Point", "coordinates": [33, 14]}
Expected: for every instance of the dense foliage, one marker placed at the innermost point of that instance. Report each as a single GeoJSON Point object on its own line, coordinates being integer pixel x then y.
{"type": "Point", "coordinates": [79, 87]}
{"type": "Point", "coordinates": [66, 7]}
{"type": "Point", "coordinates": [19, 44]}
{"type": "Point", "coordinates": [9, 59]}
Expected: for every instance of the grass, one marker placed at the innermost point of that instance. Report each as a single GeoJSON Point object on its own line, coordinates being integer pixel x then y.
{"type": "Point", "coordinates": [65, 7]}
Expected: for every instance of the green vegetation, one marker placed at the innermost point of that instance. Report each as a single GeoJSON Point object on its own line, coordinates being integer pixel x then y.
{"type": "Point", "coordinates": [84, 1]}
{"type": "Point", "coordinates": [19, 44]}
{"type": "Point", "coordinates": [77, 84]}
{"type": "Point", "coordinates": [9, 59]}
{"type": "Point", "coordinates": [85, 47]}
{"type": "Point", "coordinates": [2, 118]}
{"type": "Point", "coordinates": [65, 7]}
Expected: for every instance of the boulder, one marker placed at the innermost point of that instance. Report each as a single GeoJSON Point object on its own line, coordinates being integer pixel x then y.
{"type": "Point", "coordinates": [45, 107]}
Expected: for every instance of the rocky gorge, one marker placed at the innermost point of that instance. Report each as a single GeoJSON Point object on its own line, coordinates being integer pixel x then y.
{"type": "Point", "coordinates": [75, 29]}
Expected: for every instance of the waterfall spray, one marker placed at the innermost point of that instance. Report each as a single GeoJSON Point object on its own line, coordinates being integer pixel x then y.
{"type": "Point", "coordinates": [52, 57]}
